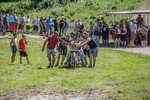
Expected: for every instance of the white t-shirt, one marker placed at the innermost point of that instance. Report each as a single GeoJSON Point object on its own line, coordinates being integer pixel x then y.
{"type": "Point", "coordinates": [27, 20]}
{"type": "Point", "coordinates": [133, 27]}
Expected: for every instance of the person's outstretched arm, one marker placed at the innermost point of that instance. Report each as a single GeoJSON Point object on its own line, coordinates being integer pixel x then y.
{"type": "Point", "coordinates": [44, 44]}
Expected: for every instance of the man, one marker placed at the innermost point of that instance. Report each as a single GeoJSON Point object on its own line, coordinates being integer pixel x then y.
{"type": "Point", "coordinates": [52, 41]}
{"type": "Point", "coordinates": [5, 24]}
{"type": "Point", "coordinates": [93, 49]}
{"type": "Point", "coordinates": [21, 24]}
{"type": "Point", "coordinates": [36, 24]}
{"type": "Point", "coordinates": [133, 29]}
{"type": "Point", "coordinates": [62, 49]}
{"type": "Point", "coordinates": [62, 25]}
{"type": "Point", "coordinates": [67, 26]}
{"type": "Point", "coordinates": [139, 20]}
{"type": "Point", "coordinates": [55, 24]}
{"type": "Point", "coordinates": [91, 27]}
{"type": "Point", "coordinates": [27, 21]}
{"type": "Point", "coordinates": [49, 25]}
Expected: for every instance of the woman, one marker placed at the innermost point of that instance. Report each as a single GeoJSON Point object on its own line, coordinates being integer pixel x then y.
{"type": "Point", "coordinates": [117, 36]}
{"type": "Point", "coordinates": [124, 36]}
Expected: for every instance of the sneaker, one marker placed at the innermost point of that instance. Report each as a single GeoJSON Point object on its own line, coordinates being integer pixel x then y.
{"type": "Point", "coordinates": [49, 66]}
{"type": "Point", "coordinates": [93, 65]}
{"type": "Point", "coordinates": [90, 66]}
{"type": "Point", "coordinates": [53, 67]}
{"type": "Point", "coordinates": [56, 64]}
{"type": "Point", "coordinates": [13, 63]}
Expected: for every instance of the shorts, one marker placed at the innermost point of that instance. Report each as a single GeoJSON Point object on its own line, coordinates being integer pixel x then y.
{"type": "Point", "coordinates": [65, 30]}
{"type": "Point", "coordinates": [23, 54]}
{"type": "Point", "coordinates": [133, 36]}
{"type": "Point", "coordinates": [94, 51]}
{"type": "Point", "coordinates": [144, 37]}
{"type": "Point", "coordinates": [86, 52]}
{"type": "Point", "coordinates": [6, 27]}
{"type": "Point", "coordinates": [62, 51]}
{"type": "Point", "coordinates": [28, 27]}
{"type": "Point", "coordinates": [117, 36]}
{"type": "Point", "coordinates": [14, 49]}
{"type": "Point", "coordinates": [21, 26]}
{"type": "Point", "coordinates": [96, 38]}
{"type": "Point", "coordinates": [105, 37]}
{"type": "Point", "coordinates": [51, 52]}
{"type": "Point", "coordinates": [123, 37]}
{"type": "Point", "coordinates": [35, 28]}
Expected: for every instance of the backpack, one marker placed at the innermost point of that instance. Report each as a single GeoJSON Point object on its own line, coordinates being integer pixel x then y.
{"type": "Point", "coordinates": [67, 24]}
{"type": "Point", "coordinates": [82, 26]}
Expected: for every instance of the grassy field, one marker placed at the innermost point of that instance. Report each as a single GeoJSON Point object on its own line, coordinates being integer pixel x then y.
{"type": "Point", "coordinates": [123, 75]}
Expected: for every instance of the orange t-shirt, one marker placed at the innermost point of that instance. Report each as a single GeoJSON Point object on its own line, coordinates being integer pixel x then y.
{"type": "Point", "coordinates": [22, 44]}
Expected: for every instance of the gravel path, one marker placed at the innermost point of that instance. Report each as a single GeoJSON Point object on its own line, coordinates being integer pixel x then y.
{"type": "Point", "coordinates": [144, 50]}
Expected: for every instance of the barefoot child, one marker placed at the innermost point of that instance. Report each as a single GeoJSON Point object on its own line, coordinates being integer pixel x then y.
{"type": "Point", "coordinates": [13, 45]}
{"type": "Point", "coordinates": [22, 49]}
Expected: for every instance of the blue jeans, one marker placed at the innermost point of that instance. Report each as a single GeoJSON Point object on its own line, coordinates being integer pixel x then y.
{"type": "Point", "coordinates": [82, 56]}
{"type": "Point", "coordinates": [49, 29]}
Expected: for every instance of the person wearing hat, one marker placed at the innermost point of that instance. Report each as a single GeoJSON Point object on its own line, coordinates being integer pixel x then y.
{"type": "Point", "coordinates": [22, 48]}
{"type": "Point", "coordinates": [14, 48]}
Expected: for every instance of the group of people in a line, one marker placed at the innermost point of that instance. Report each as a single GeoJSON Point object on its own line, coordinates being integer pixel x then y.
{"type": "Point", "coordinates": [125, 33]}
{"type": "Point", "coordinates": [81, 47]}
{"type": "Point", "coordinates": [131, 34]}
{"type": "Point", "coordinates": [41, 25]}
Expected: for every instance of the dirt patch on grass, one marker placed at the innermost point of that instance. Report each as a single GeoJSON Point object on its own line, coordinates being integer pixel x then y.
{"type": "Point", "coordinates": [34, 94]}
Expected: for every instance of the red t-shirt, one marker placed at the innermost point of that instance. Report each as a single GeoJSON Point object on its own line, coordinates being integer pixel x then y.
{"type": "Point", "coordinates": [52, 41]}
{"type": "Point", "coordinates": [22, 44]}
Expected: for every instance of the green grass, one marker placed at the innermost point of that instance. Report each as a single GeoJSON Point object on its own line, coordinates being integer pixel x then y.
{"type": "Point", "coordinates": [123, 75]}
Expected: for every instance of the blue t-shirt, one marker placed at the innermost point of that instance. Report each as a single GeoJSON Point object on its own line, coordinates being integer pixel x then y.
{"type": "Point", "coordinates": [49, 21]}
{"type": "Point", "coordinates": [11, 19]}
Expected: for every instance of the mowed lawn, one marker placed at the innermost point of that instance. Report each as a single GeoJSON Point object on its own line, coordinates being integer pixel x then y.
{"type": "Point", "coordinates": [123, 75]}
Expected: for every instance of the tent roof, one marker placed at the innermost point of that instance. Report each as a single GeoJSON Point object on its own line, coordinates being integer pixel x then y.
{"type": "Point", "coordinates": [128, 12]}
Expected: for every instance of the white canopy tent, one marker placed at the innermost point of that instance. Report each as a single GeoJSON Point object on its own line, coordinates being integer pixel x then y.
{"type": "Point", "coordinates": [129, 12]}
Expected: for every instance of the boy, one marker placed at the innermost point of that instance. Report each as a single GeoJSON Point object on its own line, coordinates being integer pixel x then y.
{"type": "Point", "coordinates": [13, 45]}
{"type": "Point", "coordinates": [22, 49]}
{"type": "Point", "coordinates": [62, 49]}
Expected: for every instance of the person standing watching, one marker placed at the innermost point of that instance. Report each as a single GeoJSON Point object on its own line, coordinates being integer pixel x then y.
{"type": "Point", "coordinates": [49, 25]}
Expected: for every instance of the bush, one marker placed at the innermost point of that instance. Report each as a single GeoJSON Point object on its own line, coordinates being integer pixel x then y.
{"type": "Point", "coordinates": [92, 17]}
{"type": "Point", "coordinates": [131, 8]}
{"type": "Point", "coordinates": [113, 8]}
{"type": "Point", "coordinates": [71, 13]}
{"type": "Point", "coordinates": [98, 19]}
